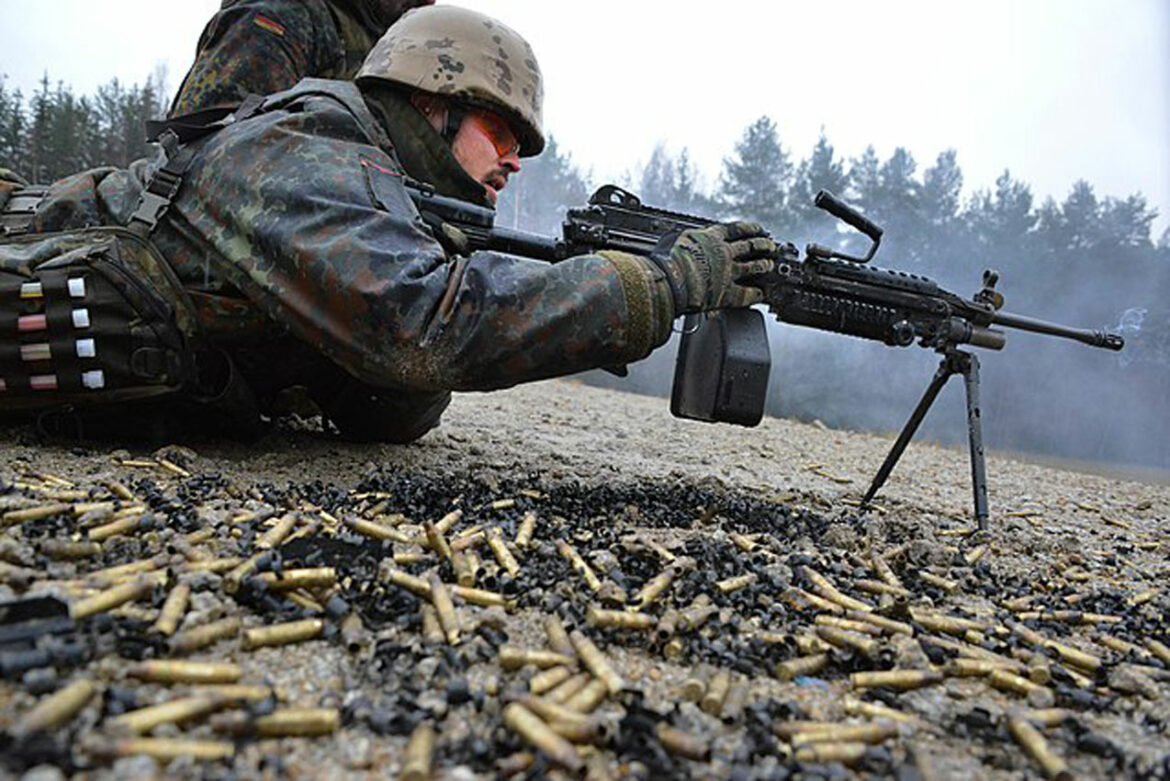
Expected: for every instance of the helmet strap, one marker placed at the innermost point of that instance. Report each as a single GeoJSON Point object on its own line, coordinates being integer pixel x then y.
{"type": "Point", "coordinates": [454, 121]}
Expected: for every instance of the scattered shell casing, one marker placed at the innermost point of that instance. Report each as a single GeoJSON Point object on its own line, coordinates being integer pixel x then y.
{"type": "Point", "coordinates": [275, 535]}
{"type": "Point", "coordinates": [558, 637]}
{"type": "Point", "coordinates": [730, 585]}
{"type": "Point", "coordinates": [653, 589]}
{"type": "Point", "coordinates": [218, 566]}
{"type": "Point", "coordinates": [801, 666]}
{"type": "Point", "coordinates": [825, 588]}
{"type": "Point", "coordinates": [110, 598]}
{"type": "Point", "coordinates": [949, 586]}
{"type": "Point", "coordinates": [1009, 681]}
{"type": "Point", "coordinates": [283, 634]}
{"type": "Point", "coordinates": [468, 539]}
{"type": "Point", "coordinates": [899, 680]}
{"type": "Point", "coordinates": [415, 585]}
{"type": "Point", "coordinates": [712, 702]}
{"type": "Point", "coordinates": [874, 732]}
{"type": "Point", "coordinates": [13, 517]}
{"type": "Point", "coordinates": [120, 491]}
{"type": "Point", "coordinates": [115, 528]}
{"type": "Point", "coordinates": [173, 712]}
{"type": "Point", "coordinates": [166, 748]}
{"type": "Point", "coordinates": [56, 709]}
{"type": "Point", "coordinates": [524, 533]}
{"type": "Point", "coordinates": [172, 671]}
{"type": "Point", "coordinates": [951, 625]}
{"type": "Point", "coordinates": [529, 726]}
{"type": "Point", "coordinates": [693, 689]}
{"type": "Point", "coordinates": [1048, 717]}
{"type": "Point", "coordinates": [973, 668]}
{"type": "Point", "coordinates": [579, 564]}
{"type": "Point", "coordinates": [122, 571]}
{"type": "Point", "coordinates": [436, 541]}
{"type": "Point", "coordinates": [849, 625]}
{"type": "Point", "coordinates": [70, 549]}
{"type": "Point", "coordinates": [202, 636]}
{"type": "Point", "coordinates": [1037, 748]}
{"type": "Point", "coordinates": [236, 692]}
{"type": "Point", "coordinates": [976, 554]}
{"type": "Point", "coordinates": [734, 702]}
{"type": "Point", "coordinates": [674, 648]}
{"type": "Point", "coordinates": [851, 640]}
{"type": "Point", "coordinates": [432, 632]}
{"type": "Point", "coordinates": [354, 633]}
{"type": "Point", "coordinates": [514, 764]}
{"type": "Point", "coordinates": [377, 531]}
{"type": "Point", "coordinates": [879, 587]}
{"type": "Point", "coordinates": [591, 695]}
{"type": "Point", "coordinates": [875, 710]}
{"type": "Point", "coordinates": [696, 614]}
{"type": "Point", "coordinates": [683, 744]}
{"type": "Point", "coordinates": [1075, 657]}
{"type": "Point", "coordinates": [882, 567]}
{"type": "Point", "coordinates": [619, 619]}
{"type": "Point", "coordinates": [172, 610]}
{"type": "Point", "coordinates": [464, 572]}
{"type": "Point", "coordinates": [513, 657]}
{"type": "Point", "coordinates": [548, 679]}
{"type": "Point", "coordinates": [448, 521]}
{"type": "Point", "coordinates": [448, 618]}
{"type": "Point", "coordinates": [232, 580]}
{"type": "Point", "coordinates": [743, 542]}
{"type": "Point", "coordinates": [503, 555]}
{"type": "Point", "coordinates": [888, 624]}
{"type": "Point", "coordinates": [596, 662]}
{"type": "Point", "coordinates": [308, 577]}
{"type": "Point", "coordinates": [480, 597]}
{"type": "Point", "coordinates": [283, 723]}
{"type": "Point", "coordinates": [564, 692]}
{"type": "Point", "coordinates": [418, 762]}
{"type": "Point", "coordinates": [845, 753]}
{"type": "Point", "coordinates": [799, 599]}
{"type": "Point", "coordinates": [1159, 650]}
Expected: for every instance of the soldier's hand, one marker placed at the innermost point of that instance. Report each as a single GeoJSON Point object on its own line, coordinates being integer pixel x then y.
{"type": "Point", "coordinates": [454, 241]}
{"type": "Point", "coordinates": [714, 267]}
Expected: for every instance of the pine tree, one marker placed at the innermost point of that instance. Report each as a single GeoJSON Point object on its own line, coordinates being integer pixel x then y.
{"type": "Point", "coordinates": [547, 186]}
{"type": "Point", "coordinates": [822, 170]}
{"type": "Point", "coordinates": [755, 180]}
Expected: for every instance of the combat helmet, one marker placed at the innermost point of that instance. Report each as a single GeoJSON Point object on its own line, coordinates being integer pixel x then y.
{"type": "Point", "coordinates": [467, 56]}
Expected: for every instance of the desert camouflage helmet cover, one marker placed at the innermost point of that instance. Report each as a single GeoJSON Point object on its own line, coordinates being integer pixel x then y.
{"type": "Point", "coordinates": [467, 56]}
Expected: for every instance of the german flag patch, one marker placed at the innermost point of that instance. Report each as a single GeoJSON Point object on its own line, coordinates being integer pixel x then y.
{"type": "Point", "coordinates": [263, 22]}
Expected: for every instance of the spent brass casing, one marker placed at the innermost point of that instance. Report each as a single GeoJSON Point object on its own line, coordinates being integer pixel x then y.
{"type": "Point", "coordinates": [683, 744]}
{"type": "Point", "coordinates": [653, 589]}
{"type": "Point", "coordinates": [235, 692]}
{"type": "Point", "coordinates": [415, 585]}
{"type": "Point", "coordinates": [165, 749]}
{"type": "Point", "coordinates": [850, 625]}
{"type": "Point", "coordinates": [826, 589]}
{"type": "Point", "coordinates": [481, 597]}
{"type": "Point", "coordinates": [845, 753]}
{"type": "Point", "coordinates": [354, 634]}
{"type": "Point", "coordinates": [436, 541]}
{"type": "Point", "coordinates": [875, 732]}
{"type": "Point", "coordinates": [110, 598]}
{"type": "Point", "coordinates": [431, 630]}
{"type": "Point", "coordinates": [1005, 680]}
{"type": "Point", "coordinates": [579, 564]}
{"type": "Point", "coordinates": [513, 657]}
{"type": "Point", "coordinates": [551, 712]}
{"type": "Point", "coordinates": [56, 709]}
{"type": "Point", "coordinates": [801, 666]}
{"type": "Point", "coordinates": [308, 577]}
{"type": "Point", "coordinates": [114, 528]}
{"type": "Point", "coordinates": [734, 702]}
{"type": "Point", "coordinates": [564, 692]}
{"type": "Point", "coordinates": [849, 640]}
{"type": "Point", "coordinates": [879, 587]}
{"type": "Point", "coordinates": [899, 680]}
{"type": "Point", "coordinates": [172, 671]}
{"type": "Point", "coordinates": [448, 618]}
{"type": "Point", "coordinates": [524, 533]}
{"type": "Point", "coordinates": [468, 539]}
{"type": "Point", "coordinates": [13, 517]}
{"type": "Point", "coordinates": [70, 549]}
{"type": "Point", "coordinates": [712, 702]}
{"type": "Point", "coordinates": [888, 625]}
{"type": "Point", "coordinates": [693, 689]}
{"type": "Point", "coordinates": [1037, 748]}
{"type": "Point", "coordinates": [218, 566]}
{"type": "Point", "coordinates": [514, 764]}
{"type": "Point", "coordinates": [946, 585]}
{"type": "Point", "coordinates": [883, 570]}
{"type": "Point", "coordinates": [283, 634]}
{"type": "Point", "coordinates": [121, 491]}
{"type": "Point", "coordinates": [875, 710]}
{"type": "Point", "coordinates": [788, 729]}
{"type": "Point", "coordinates": [464, 572]}
{"type": "Point", "coordinates": [501, 552]}
{"type": "Point", "coordinates": [975, 555]}
{"type": "Point", "coordinates": [667, 625]}
{"type": "Point", "coordinates": [531, 728]}
{"type": "Point", "coordinates": [619, 619]}
{"type": "Point", "coordinates": [596, 662]}
{"type": "Point", "coordinates": [418, 763]}
{"type": "Point", "coordinates": [232, 580]}
{"type": "Point", "coordinates": [1048, 717]}
{"type": "Point", "coordinates": [549, 679]}
{"type": "Point", "coordinates": [275, 535]}
{"type": "Point", "coordinates": [591, 695]}
{"type": "Point", "coordinates": [558, 637]}
{"type": "Point", "coordinates": [951, 625]}
{"type": "Point", "coordinates": [190, 640]}
{"type": "Point", "coordinates": [378, 531]}
{"type": "Point", "coordinates": [974, 668]}
{"type": "Point", "coordinates": [172, 610]}
{"type": "Point", "coordinates": [1075, 656]}
{"type": "Point", "coordinates": [743, 542]}
{"type": "Point", "coordinates": [581, 732]}
{"type": "Point", "coordinates": [1159, 650]}
{"type": "Point", "coordinates": [673, 649]}
{"type": "Point", "coordinates": [799, 599]}
{"type": "Point", "coordinates": [286, 723]}
{"type": "Point", "coordinates": [731, 585]}
{"type": "Point", "coordinates": [448, 521]}
{"type": "Point", "coordinates": [173, 712]}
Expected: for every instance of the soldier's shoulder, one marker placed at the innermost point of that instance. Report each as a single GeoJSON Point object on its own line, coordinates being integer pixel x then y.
{"type": "Point", "coordinates": [315, 10]}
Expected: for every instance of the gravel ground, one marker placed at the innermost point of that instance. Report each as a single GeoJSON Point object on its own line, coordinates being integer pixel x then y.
{"type": "Point", "coordinates": [618, 478]}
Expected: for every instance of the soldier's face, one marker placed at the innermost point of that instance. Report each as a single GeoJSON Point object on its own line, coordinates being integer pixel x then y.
{"type": "Point", "coordinates": [488, 150]}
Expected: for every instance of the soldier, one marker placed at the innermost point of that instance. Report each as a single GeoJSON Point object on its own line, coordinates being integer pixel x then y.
{"type": "Point", "coordinates": [265, 46]}
{"type": "Point", "coordinates": [307, 263]}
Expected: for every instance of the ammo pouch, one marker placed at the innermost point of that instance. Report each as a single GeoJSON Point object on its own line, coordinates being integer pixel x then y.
{"type": "Point", "coordinates": [90, 317]}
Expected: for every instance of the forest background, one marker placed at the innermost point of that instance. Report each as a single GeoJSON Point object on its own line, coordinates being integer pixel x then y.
{"type": "Point", "coordinates": [1088, 260]}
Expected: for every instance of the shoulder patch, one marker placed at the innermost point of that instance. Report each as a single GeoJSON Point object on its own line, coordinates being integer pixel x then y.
{"type": "Point", "coordinates": [271, 26]}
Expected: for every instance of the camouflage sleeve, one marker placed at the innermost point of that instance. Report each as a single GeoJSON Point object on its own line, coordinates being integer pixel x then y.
{"type": "Point", "coordinates": [258, 46]}
{"type": "Point", "coordinates": [318, 230]}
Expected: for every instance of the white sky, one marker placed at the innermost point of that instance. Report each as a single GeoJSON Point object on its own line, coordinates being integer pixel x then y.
{"type": "Point", "coordinates": [1052, 90]}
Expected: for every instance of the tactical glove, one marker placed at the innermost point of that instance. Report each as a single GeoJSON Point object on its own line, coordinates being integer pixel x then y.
{"type": "Point", "coordinates": [712, 268]}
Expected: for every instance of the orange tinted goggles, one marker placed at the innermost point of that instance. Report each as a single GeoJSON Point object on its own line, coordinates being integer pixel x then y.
{"type": "Point", "coordinates": [497, 131]}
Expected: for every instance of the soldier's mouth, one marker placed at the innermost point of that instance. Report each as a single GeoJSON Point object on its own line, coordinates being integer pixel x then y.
{"type": "Point", "coordinates": [493, 185]}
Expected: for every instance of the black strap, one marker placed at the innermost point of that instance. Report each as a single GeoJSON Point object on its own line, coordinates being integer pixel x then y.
{"type": "Point", "coordinates": [180, 139]}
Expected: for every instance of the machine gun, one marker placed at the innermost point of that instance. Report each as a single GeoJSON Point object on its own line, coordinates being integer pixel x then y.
{"type": "Point", "coordinates": [721, 372]}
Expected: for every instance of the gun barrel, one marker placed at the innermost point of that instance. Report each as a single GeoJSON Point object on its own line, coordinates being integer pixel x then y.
{"type": "Point", "coordinates": [1084, 336]}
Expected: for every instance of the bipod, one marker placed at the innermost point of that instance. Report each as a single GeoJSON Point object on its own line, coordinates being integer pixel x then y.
{"type": "Point", "coordinates": [953, 362]}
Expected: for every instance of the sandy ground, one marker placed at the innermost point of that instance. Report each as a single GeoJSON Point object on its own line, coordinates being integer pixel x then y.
{"type": "Point", "coordinates": [633, 489]}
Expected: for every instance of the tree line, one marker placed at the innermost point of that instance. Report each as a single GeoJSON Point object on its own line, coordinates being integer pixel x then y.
{"type": "Point", "coordinates": [1088, 260]}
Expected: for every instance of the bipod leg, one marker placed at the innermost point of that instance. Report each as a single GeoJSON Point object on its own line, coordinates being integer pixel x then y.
{"type": "Point", "coordinates": [946, 368]}
{"type": "Point", "coordinates": [969, 366]}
